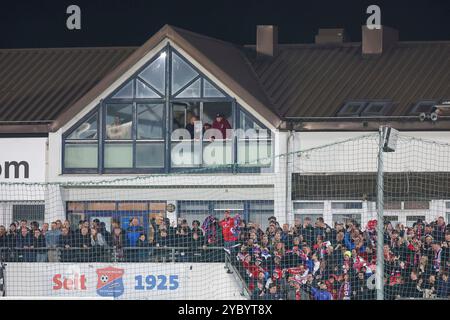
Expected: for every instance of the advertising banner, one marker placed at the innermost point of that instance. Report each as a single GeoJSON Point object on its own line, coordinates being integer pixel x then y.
{"type": "Point", "coordinates": [122, 280]}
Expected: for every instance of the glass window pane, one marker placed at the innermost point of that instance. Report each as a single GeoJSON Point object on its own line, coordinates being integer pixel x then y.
{"type": "Point", "coordinates": [182, 73]}
{"type": "Point", "coordinates": [155, 73]}
{"type": "Point", "coordinates": [344, 218]}
{"type": "Point", "coordinates": [209, 91]}
{"type": "Point", "coordinates": [247, 123]}
{"type": "Point", "coordinates": [217, 153]}
{"type": "Point", "coordinates": [144, 91]}
{"type": "Point", "coordinates": [81, 155]}
{"type": "Point", "coordinates": [126, 92]}
{"type": "Point", "coordinates": [150, 155]}
{"type": "Point", "coordinates": [150, 121]}
{"type": "Point", "coordinates": [193, 91]}
{"type": "Point", "coordinates": [119, 120]}
{"type": "Point", "coordinates": [182, 115]}
{"type": "Point", "coordinates": [254, 153]}
{"type": "Point", "coordinates": [87, 130]}
{"type": "Point", "coordinates": [308, 205]}
{"type": "Point", "coordinates": [186, 154]}
{"type": "Point", "coordinates": [118, 155]}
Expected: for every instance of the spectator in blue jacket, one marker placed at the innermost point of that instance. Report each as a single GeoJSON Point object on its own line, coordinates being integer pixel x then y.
{"type": "Point", "coordinates": [321, 293]}
{"type": "Point", "coordinates": [133, 232]}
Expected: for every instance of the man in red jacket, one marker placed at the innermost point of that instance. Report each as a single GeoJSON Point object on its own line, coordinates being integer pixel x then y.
{"type": "Point", "coordinates": [228, 224]}
{"type": "Point", "coordinates": [221, 124]}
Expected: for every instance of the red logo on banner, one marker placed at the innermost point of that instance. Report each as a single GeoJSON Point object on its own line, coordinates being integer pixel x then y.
{"type": "Point", "coordinates": [75, 282]}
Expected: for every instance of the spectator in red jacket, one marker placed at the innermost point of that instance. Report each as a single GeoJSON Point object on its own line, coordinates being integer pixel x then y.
{"type": "Point", "coordinates": [228, 225]}
{"type": "Point", "coordinates": [221, 124]}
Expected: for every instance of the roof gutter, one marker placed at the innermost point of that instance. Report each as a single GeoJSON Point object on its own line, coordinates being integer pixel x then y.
{"type": "Point", "coordinates": [28, 127]}
{"type": "Point", "coordinates": [364, 123]}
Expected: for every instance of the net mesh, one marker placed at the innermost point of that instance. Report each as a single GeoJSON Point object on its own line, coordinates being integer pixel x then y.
{"type": "Point", "coordinates": [308, 230]}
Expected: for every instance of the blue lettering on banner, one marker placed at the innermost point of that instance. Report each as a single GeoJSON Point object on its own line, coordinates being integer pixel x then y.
{"type": "Point", "coordinates": [156, 282]}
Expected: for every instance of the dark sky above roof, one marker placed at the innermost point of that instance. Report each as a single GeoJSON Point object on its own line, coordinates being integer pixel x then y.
{"type": "Point", "coordinates": [131, 22]}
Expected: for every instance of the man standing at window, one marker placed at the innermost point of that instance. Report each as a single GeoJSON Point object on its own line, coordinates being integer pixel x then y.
{"type": "Point", "coordinates": [191, 126]}
{"type": "Point", "coordinates": [221, 124]}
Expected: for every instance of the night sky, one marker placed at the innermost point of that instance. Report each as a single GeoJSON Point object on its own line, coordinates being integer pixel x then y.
{"type": "Point", "coordinates": [131, 22]}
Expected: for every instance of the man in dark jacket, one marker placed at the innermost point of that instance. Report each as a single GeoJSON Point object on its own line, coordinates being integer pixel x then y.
{"type": "Point", "coordinates": [272, 293]}
{"type": "Point", "coordinates": [66, 243]}
{"type": "Point", "coordinates": [307, 231]}
{"type": "Point", "coordinates": [443, 286]}
{"type": "Point", "coordinates": [25, 243]}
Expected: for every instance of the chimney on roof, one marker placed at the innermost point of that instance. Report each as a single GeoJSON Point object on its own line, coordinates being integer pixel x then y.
{"type": "Point", "coordinates": [266, 40]}
{"type": "Point", "coordinates": [329, 35]}
{"type": "Point", "coordinates": [377, 41]}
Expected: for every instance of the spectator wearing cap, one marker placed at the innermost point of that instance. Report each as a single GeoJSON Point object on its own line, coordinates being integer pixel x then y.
{"type": "Point", "coordinates": [221, 124]}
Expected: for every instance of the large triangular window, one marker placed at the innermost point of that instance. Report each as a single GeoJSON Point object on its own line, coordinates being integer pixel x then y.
{"type": "Point", "coordinates": [155, 74]}
{"type": "Point", "coordinates": [187, 82]}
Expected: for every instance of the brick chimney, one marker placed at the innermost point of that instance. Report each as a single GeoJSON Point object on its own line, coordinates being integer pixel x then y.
{"type": "Point", "coordinates": [266, 40]}
{"type": "Point", "coordinates": [377, 41]}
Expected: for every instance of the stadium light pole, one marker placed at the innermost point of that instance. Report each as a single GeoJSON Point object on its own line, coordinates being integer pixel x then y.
{"type": "Point", "coordinates": [387, 143]}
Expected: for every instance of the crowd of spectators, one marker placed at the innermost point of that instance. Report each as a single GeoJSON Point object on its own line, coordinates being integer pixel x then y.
{"type": "Point", "coordinates": [316, 261]}
{"type": "Point", "coordinates": [304, 261]}
{"type": "Point", "coordinates": [92, 242]}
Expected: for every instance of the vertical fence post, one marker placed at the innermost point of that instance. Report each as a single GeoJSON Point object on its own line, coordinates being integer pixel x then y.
{"type": "Point", "coordinates": [380, 221]}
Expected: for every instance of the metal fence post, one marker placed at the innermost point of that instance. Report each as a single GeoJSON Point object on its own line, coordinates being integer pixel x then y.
{"type": "Point", "coordinates": [380, 221]}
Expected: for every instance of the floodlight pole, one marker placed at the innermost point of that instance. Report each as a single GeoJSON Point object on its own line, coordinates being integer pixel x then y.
{"type": "Point", "coordinates": [379, 284]}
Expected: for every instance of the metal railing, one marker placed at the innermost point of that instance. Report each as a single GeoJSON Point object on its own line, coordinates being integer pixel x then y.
{"type": "Point", "coordinates": [113, 254]}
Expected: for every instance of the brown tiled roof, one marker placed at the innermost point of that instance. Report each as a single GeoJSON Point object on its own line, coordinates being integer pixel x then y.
{"type": "Point", "coordinates": [53, 85]}
{"type": "Point", "coordinates": [38, 84]}
{"type": "Point", "coordinates": [316, 80]}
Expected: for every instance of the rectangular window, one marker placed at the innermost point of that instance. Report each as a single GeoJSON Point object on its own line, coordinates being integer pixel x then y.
{"type": "Point", "coordinates": [119, 121]}
{"type": "Point", "coordinates": [81, 155]}
{"type": "Point", "coordinates": [392, 219]}
{"type": "Point", "coordinates": [416, 205]}
{"type": "Point", "coordinates": [308, 205]}
{"type": "Point", "coordinates": [150, 121]}
{"type": "Point", "coordinates": [118, 155]}
{"type": "Point", "coordinates": [150, 155]}
{"type": "Point", "coordinates": [29, 212]}
{"type": "Point", "coordinates": [410, 220]}
{"type": "Point", "coordinates": [346, 217]}
{"type": "Point", "coordinates": [346, 205]}
{"type": "Point", "coordinates": [312, 216]}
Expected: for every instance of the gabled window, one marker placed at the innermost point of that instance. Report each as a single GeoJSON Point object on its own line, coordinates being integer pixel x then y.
{"type": "Point", "coordinates": [352, 109]}
{"type": "Point", "coordinates": [376, 108]}
{"type": "Point", "coordinates": [424, 106]}
{"type": "Point", "coordinates": [365, 108]}
{"type": "Point", "coordinates": [165, 106]}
